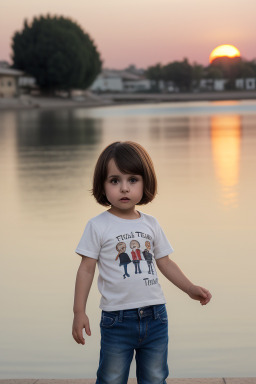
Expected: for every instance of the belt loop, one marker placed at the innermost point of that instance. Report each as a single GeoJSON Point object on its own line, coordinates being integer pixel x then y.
{"type": "Point", "coordinates": [120, 316]}
{"type": "Point", "coordinates": [155, 312]}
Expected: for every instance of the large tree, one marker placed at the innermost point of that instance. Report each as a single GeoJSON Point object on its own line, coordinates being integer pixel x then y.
{"type": "Point", "coordinates": [57, 52]}
{"type": "Point", "coordinates": [180, 72]}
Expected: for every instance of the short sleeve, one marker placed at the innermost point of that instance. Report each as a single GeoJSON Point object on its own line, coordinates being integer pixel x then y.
{"type": "Point", "coordinates": [89, 245]}
{"type": "Point", "coordinates": [162, 246]}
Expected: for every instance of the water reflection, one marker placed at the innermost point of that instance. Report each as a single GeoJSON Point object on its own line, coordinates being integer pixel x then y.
{"type": "Point", "coordinates": [170, 128]}
{"type": "Point", "coordinates": [47, 128]}
{"type": "Point", "coordinates": [8, 161]}
{"type": "Point", "coordinates": [226, 142]}
{"type": "Point", "coordinates": [45, 152]}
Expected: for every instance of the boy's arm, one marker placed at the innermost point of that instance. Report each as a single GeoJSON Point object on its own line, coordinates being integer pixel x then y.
{"type": "Point", "coordinates": [174, 274]}
{"type": "Point", "coordinates": [84, 280]}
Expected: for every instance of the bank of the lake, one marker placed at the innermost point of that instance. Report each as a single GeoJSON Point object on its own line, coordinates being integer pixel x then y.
{"type": "Point", "coordinates": [90, 100]}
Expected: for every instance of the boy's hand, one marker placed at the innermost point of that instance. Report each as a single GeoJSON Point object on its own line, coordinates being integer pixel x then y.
{"type": "Point", "coordinates": [80, 322]}
{"type": "Point", "coordinates": [199, 293]}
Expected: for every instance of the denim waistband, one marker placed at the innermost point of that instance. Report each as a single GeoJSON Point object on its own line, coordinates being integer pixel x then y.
{"type": "Point", "coordinates": [141, 312]}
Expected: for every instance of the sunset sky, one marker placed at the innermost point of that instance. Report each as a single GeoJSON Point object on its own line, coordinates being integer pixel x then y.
{"type": "Point", "coordinates": [144, 32]}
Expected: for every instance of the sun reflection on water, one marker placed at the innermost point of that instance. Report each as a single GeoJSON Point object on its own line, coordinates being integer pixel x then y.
{"type": "Point", "coordinates": [226, 140]}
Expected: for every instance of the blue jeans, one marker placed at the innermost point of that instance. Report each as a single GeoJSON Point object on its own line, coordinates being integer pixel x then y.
{"type": "Point", "coordinates": [144, 330]}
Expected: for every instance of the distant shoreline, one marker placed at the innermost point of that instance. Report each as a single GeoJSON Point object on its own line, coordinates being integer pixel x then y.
{"type": "Point", "coordinates": [91, 100]}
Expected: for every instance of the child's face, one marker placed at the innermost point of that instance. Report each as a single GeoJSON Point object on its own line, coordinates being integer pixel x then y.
{"type": "Point", "coordinates": [121, 248]}
{"type": "Point", "coordinates": [123, 190]}
{"type": "Point", "coordinates": [134, 245]}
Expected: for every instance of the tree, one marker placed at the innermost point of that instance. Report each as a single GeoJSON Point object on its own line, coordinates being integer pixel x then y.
{"type": "Point", "coordinates": [155, 73]}
{"type": "Point", "coordinates": [180, 72]}
{"type": "Point", "coordinates": [228, 67]}
{"type": "Point", "coordinates": [57, 52]}
{"type": "Point", "coordinates": [214, 73]}
{"type": "Point", "coordinates": [246, 69]}
{"type": "Point", "coordinates": [252, 65]}
{"type": "Point", "coordinates": [198, 73]}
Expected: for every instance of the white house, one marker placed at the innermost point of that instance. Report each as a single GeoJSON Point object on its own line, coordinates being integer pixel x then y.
{"type": "Point", "coordinates": [9, 82]}
{"type": "Point", "coordinates": [107, 81]}
{"type": "Point", "coordinates": [212, 84]}
{"type": "Point", "coordinates": [219, 84]}
{"type": "Point", "coordinates": [140, 85]}
{"type": "Point", "coordinates": [120, 81]}
{"type": "Point", "coordinates": [247, 84]}
{"type": "Point", "coordinates": [28, 82]}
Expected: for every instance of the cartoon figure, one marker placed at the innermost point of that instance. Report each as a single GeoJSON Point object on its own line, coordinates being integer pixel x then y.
{"type": "Point", "coordinates": [148, 257]}
{"type": "Point", "coordinates": [124, 258]}
{"type": "Point", "coordinates": [136, 256]}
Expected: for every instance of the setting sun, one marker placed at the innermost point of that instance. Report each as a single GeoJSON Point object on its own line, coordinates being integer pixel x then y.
{"type": "Point", "coordinates": [225, 50]}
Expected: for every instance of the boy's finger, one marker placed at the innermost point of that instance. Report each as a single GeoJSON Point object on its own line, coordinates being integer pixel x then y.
{"type": "Point", "coordinates": [78, 337]}
{"type": "Point", "coordinates": [75, 336]}
{"type": "Point", "coordinates": [206, 300]}
{"type": "Point", "coordinates": [81, 338]}
{"type": "Point", "coordinates": [87, 329]}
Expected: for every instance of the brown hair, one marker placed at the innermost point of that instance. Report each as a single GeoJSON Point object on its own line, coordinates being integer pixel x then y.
{"type": "Point", "coordinates": [130, 158]}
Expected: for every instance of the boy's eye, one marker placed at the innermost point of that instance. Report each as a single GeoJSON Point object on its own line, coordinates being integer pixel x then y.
{"type": "Point", "coordinates": [113, 181]}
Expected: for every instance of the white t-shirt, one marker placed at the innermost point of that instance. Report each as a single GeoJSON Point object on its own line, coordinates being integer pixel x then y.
{"type": "Point", "coordinates": [126, 251]}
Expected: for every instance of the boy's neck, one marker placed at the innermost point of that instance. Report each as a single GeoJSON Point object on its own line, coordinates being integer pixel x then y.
{"type": "Point", "coordinates": [125, 214]}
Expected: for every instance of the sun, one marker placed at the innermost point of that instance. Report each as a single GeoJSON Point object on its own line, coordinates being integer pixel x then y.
{"type": "Point", "coordinates": [225, 50]}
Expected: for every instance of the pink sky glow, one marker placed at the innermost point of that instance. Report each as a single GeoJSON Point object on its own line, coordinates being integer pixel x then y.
{"type": "Point", "coordinates": [145, 32]}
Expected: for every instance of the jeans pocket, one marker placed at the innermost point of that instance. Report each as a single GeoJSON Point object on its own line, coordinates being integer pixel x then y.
{"type": "Point", "coordinates": [108, 320]}
{"type": "Point", "coordinates": [162, 315]}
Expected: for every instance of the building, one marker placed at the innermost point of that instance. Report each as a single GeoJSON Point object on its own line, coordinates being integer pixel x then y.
{"type": "Point", "coordinates": [136, 85]}
{"type": "Point", "coordinates": [212, 84]}
{"type": "Point", "coordinates": [27, 83]}
{"type": "Point", "coordinates": [9, 82]}
{"type": "Point", "coordinates": [4, 64]}
{"type": "Point", "coordinates": [108, 81]}
{"type": "Point", "coordinates": [120, 81]}
{"type": "Point", "coordinates": [248, 84]}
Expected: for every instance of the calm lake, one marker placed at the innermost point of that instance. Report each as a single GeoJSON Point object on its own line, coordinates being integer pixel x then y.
{"type": "Point", "coordinates": [205, 158]}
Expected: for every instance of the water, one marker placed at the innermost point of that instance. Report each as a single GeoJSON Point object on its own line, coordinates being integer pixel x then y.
{"type": "Point", "coordinates": [205, 159]}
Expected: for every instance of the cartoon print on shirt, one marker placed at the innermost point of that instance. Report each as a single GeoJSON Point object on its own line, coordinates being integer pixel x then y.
{"type": "Point", "coordinates": [143, 261]}
{"type": "Point", "coordinates": [124, 258]}
{"type": "Point", "coordinates": [148, 257]}
{"type": "Point", "coordinates": [136, 256]}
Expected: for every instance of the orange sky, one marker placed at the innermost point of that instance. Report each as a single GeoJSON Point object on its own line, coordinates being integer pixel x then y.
{"type": "Point", "coordinates": [144, 32]}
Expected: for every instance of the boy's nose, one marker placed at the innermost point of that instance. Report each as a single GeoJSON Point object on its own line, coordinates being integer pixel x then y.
{"type": "Point", "coordinates": [124, 187]}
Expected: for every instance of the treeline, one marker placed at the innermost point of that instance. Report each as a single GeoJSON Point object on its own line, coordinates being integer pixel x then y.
{"type": "Point", "coordinates": [186, 76]}
{"type": "Point", "coordinates": [60, 55]}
